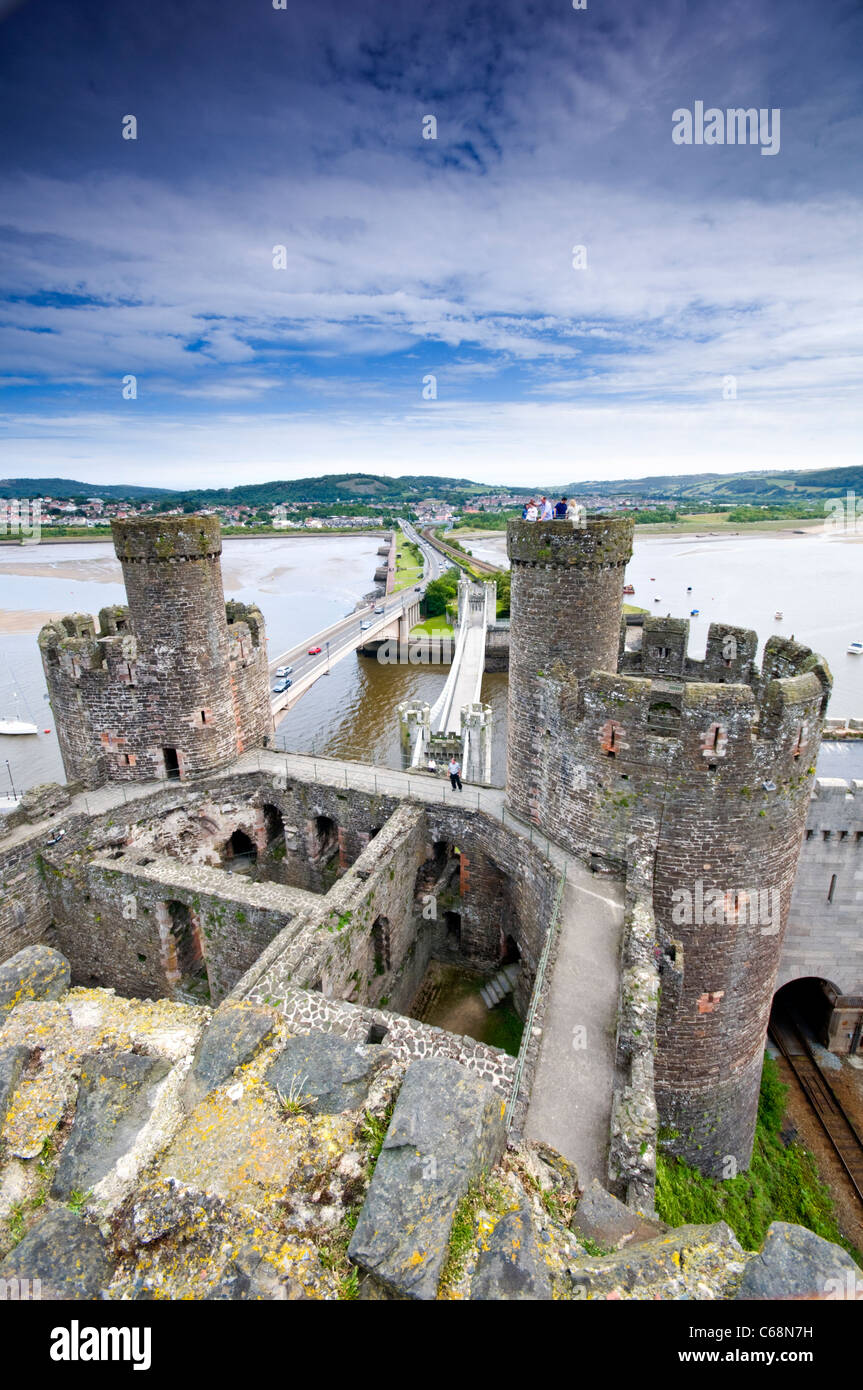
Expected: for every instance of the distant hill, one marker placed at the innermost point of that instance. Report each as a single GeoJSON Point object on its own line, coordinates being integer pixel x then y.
{"type": "Point", "coordinates": [64, 488]}
{"type": "Point", "coordinates": [774, 487]}
{"type": "Point", "coordinates": [771, 486]}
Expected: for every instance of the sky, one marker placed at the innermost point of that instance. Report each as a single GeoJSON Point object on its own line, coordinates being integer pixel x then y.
{"type": "Point", "coordinates": [427, 312]}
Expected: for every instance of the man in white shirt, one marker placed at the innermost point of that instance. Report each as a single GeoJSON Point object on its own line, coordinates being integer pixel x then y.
{"type": "Point", "coordinates": [547, 513]}
{"type": "Point", "coordinates": [531, 514]}
{"type": "Point", "coordinates": [455, 773]}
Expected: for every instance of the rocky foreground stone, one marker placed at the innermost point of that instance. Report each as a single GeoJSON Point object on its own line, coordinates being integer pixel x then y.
{"type": "Point", "coordinates": [151, 1149]}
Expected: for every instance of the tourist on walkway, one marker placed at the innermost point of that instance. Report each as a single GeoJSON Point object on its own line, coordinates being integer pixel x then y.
{"type": "Point", "coordinates": [547, 513]}
{"type": "Point", "coordinates": [455, 773]}
{"type": "Point", "coordinates": [560, 510]}
{"type": "Point", "coordinates": [432, 766]}
{"type": "Point", "coordinates": [575, 513]}
{"type": "Point", "coordinates": [531, 514]}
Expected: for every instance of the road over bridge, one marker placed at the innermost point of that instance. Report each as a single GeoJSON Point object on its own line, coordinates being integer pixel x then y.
{"type": "Point", "coordinates": [391, 617]}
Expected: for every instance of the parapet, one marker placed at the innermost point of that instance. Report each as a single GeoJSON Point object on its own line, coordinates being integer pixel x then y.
{"type": "Point", "coordinates": [837, 789]}
{"type": "Point", "coordinates": [594, 542]}
{"type": "Point", "coordinates": [167, 539]}
{"type": "Point", "coordinates": [248, 615]}
{"type": "Point", "coordinates": [71, 643]}
{"type": "Point", "coordinates": [792, 674]}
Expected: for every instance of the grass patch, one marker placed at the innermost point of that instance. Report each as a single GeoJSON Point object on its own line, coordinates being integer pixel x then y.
{"type": "Point", "coordinates": [334, 1255]}
{"type": "Point", "coordinates": [486, 1194]}
{"type": "Point", "coordinates": [374, 1131]}
{"type": "Point", "coordinates": [432, 627]}
{"type": "Point", "coordinates": [409, 565]}
{"type": "Point", "coordinates": [782, 1184]}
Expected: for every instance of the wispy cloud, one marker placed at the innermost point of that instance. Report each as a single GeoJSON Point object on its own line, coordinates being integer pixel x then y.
{"type": "Point", "coordinates": [404, 257]}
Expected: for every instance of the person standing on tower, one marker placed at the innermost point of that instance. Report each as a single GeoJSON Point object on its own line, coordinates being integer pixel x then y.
{"type": "Point", "coordinates": [547, 513]}
{"type": "Point", "coordinates": [455, 773]}
{"type": "Point", "coordinates": [560, 510]}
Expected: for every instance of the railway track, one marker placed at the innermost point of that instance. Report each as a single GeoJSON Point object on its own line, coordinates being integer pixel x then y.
{"type": "Point", "coordinates": [465, 562]}
{"type": "Point", "coordinates": [839, 1129]}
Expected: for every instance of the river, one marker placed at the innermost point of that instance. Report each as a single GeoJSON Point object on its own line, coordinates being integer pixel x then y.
{"type": "Point", "coordinates": [304, 583]}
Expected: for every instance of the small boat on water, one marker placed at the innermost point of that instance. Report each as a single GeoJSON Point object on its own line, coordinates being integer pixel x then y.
{"type": "Point", "coordinates": [658, 598]}
{"type": "Point", "coordinates": [693, 612]}
{"type": "Point", "coordinates": [855, 649]}
{"type": "Point", "coordinates": [778, 616]}
{"type": "Point", "coordinates": [629, 588]}
{"type": "Point", "coordinates": [689, 588]}
{"type": "Point", "coordinates": [16, 726]}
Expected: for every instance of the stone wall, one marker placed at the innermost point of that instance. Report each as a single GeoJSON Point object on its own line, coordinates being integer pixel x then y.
{"type": "Point", "coordinates": [823, 938]}
{"type": "Point", "coordinates": [497, 637]}
{"type": "Point", "coordinates": [634, 1119]}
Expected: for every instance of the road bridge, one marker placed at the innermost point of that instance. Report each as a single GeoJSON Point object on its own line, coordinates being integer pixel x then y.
{"type": "Point", "coordinates": [390, 618]}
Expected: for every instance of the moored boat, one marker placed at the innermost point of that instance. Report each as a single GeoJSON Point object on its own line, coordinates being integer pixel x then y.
{"type": "Point", "coordinates": [16, 726]}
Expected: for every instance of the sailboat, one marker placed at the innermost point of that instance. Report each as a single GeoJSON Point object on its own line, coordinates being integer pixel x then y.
{"type": "Point", "coordinates": [16, 725]}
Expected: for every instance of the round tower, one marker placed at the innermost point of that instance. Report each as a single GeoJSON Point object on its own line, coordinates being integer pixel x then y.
{"type": "Point", "coordinates": [173, 577]}
{"type": "Point", "coordinates": [565, 607]}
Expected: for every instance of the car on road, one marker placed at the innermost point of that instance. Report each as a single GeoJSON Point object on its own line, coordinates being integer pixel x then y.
{"type": "Point", "coordinates": [363, 626]}
{"type": "Point", "coordinates": [314, 651]}
{"type": "Point", "coordinates": [284, 671]}
{"type": "Point", "coordinates": [281, 686]}
{"type": "Point", "coordinates": [379, 610]}
{"type": "Point", "coordinates": [418, 588]}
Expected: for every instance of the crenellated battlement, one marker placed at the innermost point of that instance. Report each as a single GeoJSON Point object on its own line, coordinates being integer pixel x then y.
{"type": "Point", "coordinates": [173, 685]}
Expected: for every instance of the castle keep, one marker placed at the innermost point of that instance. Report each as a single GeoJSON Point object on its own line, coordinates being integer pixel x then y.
{"type": "Point", "coordinates": [175, 684]}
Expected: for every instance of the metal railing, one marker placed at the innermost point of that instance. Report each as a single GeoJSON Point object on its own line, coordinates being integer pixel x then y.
{"type": "Point", "coordinates": [527, 1035]}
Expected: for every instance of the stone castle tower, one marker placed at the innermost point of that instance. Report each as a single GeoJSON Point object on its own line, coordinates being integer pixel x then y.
{"type": "Point", "coordinates": [566, 596]}
{"type": "Point", "coordinates": [173, 686]}
{"type": "Point", "coordinates": [701, 769]}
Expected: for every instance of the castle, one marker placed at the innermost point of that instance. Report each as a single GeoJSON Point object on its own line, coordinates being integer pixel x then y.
{"type": "Point", "coordinates": [186, 860]}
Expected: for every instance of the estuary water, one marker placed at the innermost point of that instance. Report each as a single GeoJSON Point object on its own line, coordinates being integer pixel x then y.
{"type": "Point", "coordinates": [304, 583]}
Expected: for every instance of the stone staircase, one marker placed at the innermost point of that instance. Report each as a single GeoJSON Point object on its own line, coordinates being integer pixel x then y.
{"type": "Point", "coordinates": [499, 985]}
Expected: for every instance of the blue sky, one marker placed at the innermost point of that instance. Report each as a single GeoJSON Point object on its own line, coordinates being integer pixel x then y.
{"type": "Point", "coordinates": [406, 257]}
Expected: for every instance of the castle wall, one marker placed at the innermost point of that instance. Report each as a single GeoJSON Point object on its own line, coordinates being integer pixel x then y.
{"type": "Point", "coordinates": [114, 926]}
{"type": "Point", "coordinates": [25, 913]}
{"type": "Point", "coordinates": [824, 937]}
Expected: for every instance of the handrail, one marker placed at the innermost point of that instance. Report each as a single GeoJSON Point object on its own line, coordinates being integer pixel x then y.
{"type": "Point", "coordinates": [527, 1035]}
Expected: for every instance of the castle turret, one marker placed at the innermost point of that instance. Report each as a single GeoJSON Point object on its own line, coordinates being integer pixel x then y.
{"type": "Point", "coordinates": [175, 685]}
{"type": "Point", "coordinates": [705, 768]}
{"type": "Point", "coordinates": [565, 608]}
